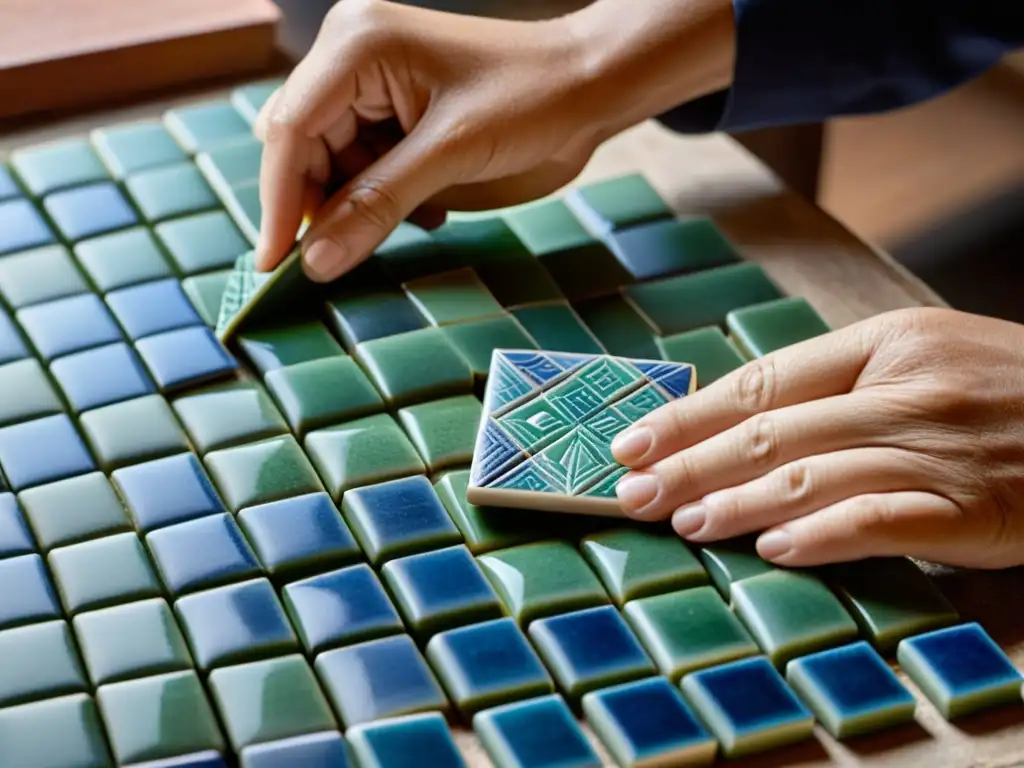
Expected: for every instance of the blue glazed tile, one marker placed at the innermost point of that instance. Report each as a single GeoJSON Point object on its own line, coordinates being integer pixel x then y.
{"type": "Point", "coordinates": [236, 623]}
{"type": "Point", "coordinates": [202, 553]}
{"type": "Point", "coordinates": [11, 346]}
{"type": "Point", "coordinates": [365, 318]}
{"type": "Point", "coordinates": [88, 211]}
{"type": "Point", "coordinates": [53, 165]}
{"type": "Point", "coordinates": [506, 385]}
{"type": "Point", "coordinates": [101, 376]}
{"type": "Point", "coordinates": [152, 308]}
{"type": "Point", "coordinates": [663, 248]}
{"type": "Point", "coordinates": [590, 649]}
{"type": "Point", "coordinates": [494, 455]}
{"type": "Point", "coordinates": [533, 365]}
{"type": "Point", "coordinates": [529, 477]}
{"type": "Point", "coordinates": [393, 679]}
{"type": "Point", "coordinates": [748, 706]}
{"type": "Point", "coordinates": [22, 226]}
{"type": "Point", "coordinates": [648, 723]}
{"type": "Point", "coordinates": [8, 187]}
{"type": "Point", "coordinates": [198, 760]}
{"type": "Point", "coordinates": [960, 669]}
{"type": "Point", "coordinates": [669, 376]}
{"type": "Point", "coordinates": [340, 608]}
{"type": "Point", "coordinates": [15, 538]}
{"type": "Point", "coordinates": [487, 664]}
{"type": "Point", "coordinates": [405, 742]}
{"type": "Point", "coordinates": [537, 732]}
{"type": "Point", "coordinates": [33, 600]}
{"type": "Point", "coordinates": [317, 750]}
{"type": "Point", "coordinates": [135, 146]}
{"type": "Point", "coordinates": [42, 451]}
{"type": "Point", "coordinates": [851, 690]}
{"type": "Point", "coordinates": [69, 325]}
{"type": "Point", "coordinates": [185, 357]}
{"type": "Point", "coordinates": [167, 491]}
{"type": "Point", "coordinates": [304, 533]}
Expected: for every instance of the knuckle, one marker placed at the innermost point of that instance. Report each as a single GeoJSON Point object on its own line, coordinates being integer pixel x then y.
{"type": "Point", "coordinates": [796, 483]}
{"type": "Point", "coordinates": [277, 126]}
{"type": "Point", "coordinates": [870, 513]}
{"type": "Point", "coordinates": [755, 386]}
{"type": "Point", "coordinates": [679, 473]}
{"type": "Point", "coordinates": [376, 204]}
{"type": "Point", "coordinates": [761, 443]}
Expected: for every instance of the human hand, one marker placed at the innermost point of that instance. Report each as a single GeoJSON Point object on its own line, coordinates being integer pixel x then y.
{"type": "Point", "coordinates": [900, 435]}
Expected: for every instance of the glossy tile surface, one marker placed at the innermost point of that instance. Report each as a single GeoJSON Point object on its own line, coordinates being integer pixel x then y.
{"type": "Point", "coordinates": [617, 203]}
{"type": "Point", "coordinates": [206, 126]}
{"type": "Point", "coordinates": [184, 357]}
{"type": "Point", "coordinates": [227, 414]}
{"type": "Point", "coordinates": [765, 328]}
{"type": "Point", "coordinates": [206, 292]}
{"type": "Point", "coordinates": [170, 191]}
{"type": "Point", "coordinates": [89, 211]}
{"type": "Point", "coordinates": [39, 275]}
{"type": "Point", "coordinates": [153, 307]}
{"type": "Point", "coordinates": [123, 258]}
{"type": "Point", "coordinates": [53, 733]}
{"type": "Point", "coordinates": [261, 472]}
{"type": "Point", "coordinates": [476, 340]}
{"type": "Point", "coordinates": [15, 537]}
{"type": "Point", "coordinates": [672, 246]}
{"type": "Point", "coordinates": [360, 318]}
{"type": "Point", "coordinates": [12, 347]}
{"type": "Point", "coordinates": [539, 731]}
{"type": "Point", "coordinates": [733, 560]}
{"type": "Point", "coordinates": [709, 350]}
{"type": "Point", "coordinates": [484, 528]}
{"type": "Point", "coordinates": [135, 146]}
{"type": "Point", "coordinates": [101, 376]}
{"type": "Point", "coordinates": [440, 371]}
{"type": "Point", "coordinates": [68, 325]}
{"type": "Point", "coordinates": [34, 600]}
{"type": "Point", "coordinates": [405, 742]}
{"type": "Point", "coordinates": [323, 750]}
{"type": "Point", "coordinates": [166, 491]}
{"type": "Point", "coordinates": [57, 165]}
{"type": "Point", "coordinates": [47, 663]}
{"type": "Point", "coordinates": [202, 553]}
{"type": "Point", "coordinates": [98, 511]}
{"type": "Point", "coordinates": [22, 226]}
{"type": "Point", "coordinates": [201, 242]}
{"type": "Point", "coordinates": [115, 440]}
{"type": "Point", "coordinates": [28, 393]}
{"type": "Point", "coordinates": [443, 431]}
{"type": "Point", "coordinates": [102, 572]}
{"type": "Point", "coordinates": [42, 451]}
{"type": "Point", "coordinates": [276, 348]}
{"type": "Point", "coordinates": [557, 328]}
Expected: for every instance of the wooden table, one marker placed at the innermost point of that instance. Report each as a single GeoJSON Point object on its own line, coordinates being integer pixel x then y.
{"type": "Point", "coordinates": [812, 255]}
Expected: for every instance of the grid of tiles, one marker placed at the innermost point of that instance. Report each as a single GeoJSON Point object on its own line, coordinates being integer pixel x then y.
{"type": "Point", "coordinates": [210, 545]}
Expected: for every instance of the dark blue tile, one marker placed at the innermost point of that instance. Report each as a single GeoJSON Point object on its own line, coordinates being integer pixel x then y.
{"type": "Point", "coordinates": [15, 538]}
{"type": "Point", "coordinates": [152, 308]}
{"type": "Point", "coordinates": [316, 750]}
{"type": "Point", "coordinates": [537, 732]}
{"type": "Point", "coordinates": [11, 346]}
{"type": "Point", "coordinates": [670, 247]}
{"type": "Point", "coordinates": [184, 357]}
{"type": "Point", "coordinates": [340, 608]}
{"type": "Point", "coordinates": [167, 491]}
{"type": "Point", "coordinates": [8, 187]}
{"type": "Point", "coordinates": [393, 680]}
{"type": "Point", "coordinates": [198, 760]}
{"type": "Point", "coordinates": [69, 325]}
{"type": "Point", "coordinates": [202, 553]}
{"type": "Point", "coordinates": [32, 599]}
{"type": "Point", "coordinates": [22, 226]}
{"type": "Point", "coordinates": [495, 454]}
{"type": "Point", "coordinates": [42, 451]}
{"type": "Point", "coordinates": [101, 376]}
{"type": "Point", "coordinates": [535, 366]}
{"type": "Point", "coordinates": [90, 210]}
{"type": "Point", "coordinates": [673, 377]}
{"type": "Point", "coordinates": [236, 623]}
{"type": "Point", "coordinates": [373, 317]}
{"type": "Point", "coordinates": [406, 742]}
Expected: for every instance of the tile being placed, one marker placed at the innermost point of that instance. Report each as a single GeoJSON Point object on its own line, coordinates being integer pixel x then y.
{"type": "Point", "coordinates": [41, 661]}
{"type": "Point", "coordinates": [201, 242]}
{"type": "Point", "coordinates": [539, 731]}
{"type": "Point", "coordinates": [326, 749]}
{"type": "Point", "coordinates": [35, 598]}
{"type": "Point", "coordinates": [228, 414]}
{"type": "Point", "coordinates": [55, 732]}
{"type": "Point", "coordinates": [22, 226]}
{"type": "Point", "coordinates": [404, 742]}
{"type": "Point", "coordinates": [89, 211]}
{"type": "Point", "coordinates": [765, 328]}
{"type": "Point", "coordinates": [28, 393]}
{"type": "Point", "coordinates": [39, 275]}
{"type": "Point", "coordinates": [97, 511]}
{"type": "Point", "coordinates": [126, 149]}
{"type": "Point", "coordinates": [123, 258]}
{"type": "Point", "coordinates": [707, 349]}
{"type": "Point", "coordinates": [253, 298]}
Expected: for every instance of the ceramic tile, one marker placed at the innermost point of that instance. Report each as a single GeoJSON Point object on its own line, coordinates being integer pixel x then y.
{"type": "Point", "coordinates": [246, 210]}
{"type": "Point", "coordinates": [89, 211]}
{"type": "Point", "coordinates": [128, 641]}
{"type": "Point", "coordinates": [765, 328]}
{"type": "Point", "coordinates": [791, 613]}
{"type": "Point", "coordinates": [42, 451]}
{"type": "Point", "coordinates": [405, 742]}
{"type": "Point", "coordinates": [618, 327]}
{"type": "Point", "coordinates": [202, 553]}
{"type": "Point", "coordinates": [689, 630]}
{"type": "Point", "coordinates": [617, 203]}
{"type": "Point", "coordinates": [11, 345]}
{"type": "Point", "coordinates": [708, 350]}
{"type": "Point", "coordinates": [15, 537]}
{"type": "Point", "coordinates": [486, 529]}
{"type": "Point", "coordinates": [321, 392]}
{"type": "Point", "coordinates": [340, 608]}
{"type": "Point", "coordinates": [476, 341]}
{"type": "Point", "coordinates": [97, 511]}
{"type": "Point", "coordinates": [201, 127]}
{"type": "Point", "coordinates": [205, 292]}
{"type": "Point", "coordinates": [362, 318]}
{"type": "Point", "coordinates": [232, 165]}
{"type": "Point", "coordinates": [410, 252]}
{"type": "Point", "coordinates": [234, 624]}
{"type": "Point", "coordinates": [126, 149]}
{"type": "Point", "coordinates": [225, 415]}
{"type": "Point", "coordinates": [28, 393]}
{"type": "Point", "coordinates": [276, 348]}
{"type": "Point", "coordinates": [22, 226]}
{"type": "Point", "coordinates": [101, 572]}
{"type": "Point", "coordinates": [960, 669]}
{"type": "Point", "coordinates": [301, 535]}
{"type": "Point", "coordinates": [154, 307]}
{"type": "Point", "coordinates": [39, 275]}
{"type": "Point", "coordinates": [57, 165]}
{"type": "Point", "coordinates": [440, 371]}
{"type": "Point", "coordinates": [35, 598]}
{"type": "Point", "coordinates": [370, 450]}
{"type": "Point", "coordinates": [269, 700]}
{"type": "Point", "coordinates": [648, 723]}
{"type": "Point", "coordinates": [185, 357]}
{"type": "Point", "coordinates": [487, 664]}
{"type": "Point", "coordinates": [101, 376]}
{"type": "Point", "coordinates": [670, 247]}
{"type": "Point", "coordinates": [54, 733]}
{"type": "Point", "coordinates": [205, 759]}
{"type": "Point", "coordinates": [323, 750]}
{"type": "Point", "coordinates": [158, 717]}
{"type": "Point", "coordinates": [393, 679]}
{"type": "Point", "coordinates": [731, 561]}
{"type": "Point", "coordinates": [46, 663]}
{"type": "Point", "coordinates": [68, 325]}
{"type": "Point", "coordinates": [170, 191]}
{"type": "Point", "coordinates": [166, 491]}
{"type": "Point", "coordinates": [252, 298]}
{"type": "Point", "coordinates": [557, 328]}
{"type": "Point", "coordinates": [8, 186]}
{"type": "Point", "coordinates": [114, 436]}
{"type": "Point", "coordinates": [261, 472]}
{"type": "Point", "coordinates": [539, 731]}
{"type": "Point", "coordinates": [443, 431]}
{"type": "Point", "coordinates": [851, 690]}
{"type": "Point", "coordinates": [123, 258]}
{"type": "Point", "coordinates": [452, 297]}
{"type": "Point", "coordinates": [202, 242]}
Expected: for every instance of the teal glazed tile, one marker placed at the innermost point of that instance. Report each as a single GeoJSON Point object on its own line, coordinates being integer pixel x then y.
{"type": "Point", "coordinates": [35, 598]}
{"type": "Point", "coordinates": [452, 297]}
{"type": "Point", "coordinates": [11, 345]}
{"type": "Point", "coordinates": [397, 518]}
{"type": "Point", "coordinates": [202, 242]}
{"type": "Point", "coordinates": [440, 370]}
{"type": "Point", "coordinates": [155, 307]}
{"type": "Point", "coordinates": [539, 731]}
{"type": "Point", "coordinates": [365, 317]}
{"type": "Point", "coordinates": [126, 149]}
{"type": "Point", "coordinates": [410, 252]}
{"type": "Point", "coordinates": [205, 292]}
{"type": "Point", "coordinates": [232, 165]}
{"type": "Point", "coordinates": [89, 211]}
{"type": "Point", "coordinates": [671, 247]}
{"type": "Point", "coordinates": [8, 186]}
{"type": "Point", "coordinates": [748, 707]}
{"type": "Point", "coordinates": [476, 340]}
{"type": "Point", "coordinates": [443, 431]}
{"type": "Point", "coordinates": [69, 325]}
{"type": "Point", "coordinates": [39, 275]}
{"type": "Point", "coordinates": [15, 537]}
{"type": "Point", "coordinates": [318, 393]}
{"type": "Point", "coordinates": [97, 510]}
{"type": "Point", "coordinates": [54, 733]}
{"type": "Point", "coordinates": [42, 451]}
{"type": "Point", "coordinates": [101, 376]}
{"type": "Point", "coordinates": [185, 357]}
{"type": "Point", "coordinates": [485, 529]}
{"type": "Point", "coordinates": [276, 348]}
{"type": "Point", "coordinates": [394, 680]}
{"type": "Point", "coordinates": [851, 690]}
{"type": "Point", "coordinates": [166, 491]}
{"type": "Point", "coordinates": [340, 608]}
{"type": "Point", "coordinates": [617, 203]}
{"type": "Point", "coordinates": [557, 328]}
{"type": "Point", "coordinates": [731, 561]}
{"type": "Point", "coordinates": [765, 328]}
{"type": "Point", "coordinates": [249, 100]}
{"type": "Point", "coordinates": [57, 165]}
{"type": "Point", "coordinates": [246, 210]}
{"type": "Point", "coordinates": [101, 572]}
{"type": "Point", "coordinates": [123, 258]}
{"type": "Point", "coordinates": [170, 191]}
{"type": "Point", "coordinates": [28, 393]}
{"type": "Point", "coordinates": [22, 226]}
{"type": "Point", "coordinates": [709, 350]}
{"type": "Point", "coordinates": [323, 750]}
{"type": "Point", "coordinates": [202, 127]}
{"type": "Point", "coordinates": [225, 415]}
{"type": "Point", "coordinates": [261, 472]}
{"type": "Point", "coordinates": [648, 723]}
{"type": "Point", "coordinates": [133, 640]}
{"type": "Point", "coordinates": [619, 328]}
{"type": "Point", "coordinates": [115, 439]}
{"type": "Point", "coordinates": [404, 742]}
{"type": "Point", "coordinates": [202, 553]}
{"type": "Point", "coordinates": [234, 624]}
{"type": "Point", "coordinates": [41, 662]}
{"type": "Point", "coordinates": [960, 669]}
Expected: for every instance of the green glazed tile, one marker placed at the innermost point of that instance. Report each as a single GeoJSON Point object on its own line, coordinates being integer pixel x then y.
{"type": "Point", "coordinates": [158, 717]}
{"type": "Point", "coordinates": [689, 630]}
{"type": "Point", "coordinates": [709, 350]}
{"type": "Point", "coordinates": [673, 246]}
{"type": "Point", "coordinates": [270, 700]}
{"type": "Point", "coordinates": [791, 614]}
{"type": "Point", "coordinates": [246, 211]}
{"type": "Point", "coordinates": [232, 165]}
{"type": "Point", "coordinates": [452, 297]}
{"type": "Point", "coordinates": [277, 347]}
{"type": "Point", "coordinates": [764, 328]}
{"type": "Point", "coordinates": [731, 561]}
{"type": "Point", "coordinates": [114, 436]}
{"type": "Point", "coordinates": [415, 366]}
{"type": "Point", "coordinates": [260, 472]}
{"type": "Point", "coordinates": [321, 392]}
{"type": "Point", "coordinates": [410, 252]}
{"type": "Point", "coordinates": [203, 242]}
{"type": "Point", "coordinates": [619, 328]}
{"type": "Point", "coordinates": [228, 414]}
{"type": "Point", "coordinates": [636, 563]}
{"type": "Point", "coordinates": [199, 127]}
{"type": "Point", "coordinates": [137, 639]}
{"type": "Point", "coordinates": [170, 191]}
{"type": "Point", "coordinates": [586, 270]}
{"type": "Point", "coordinates": [361, 452]}
{"type": "Point", "coordinates": [476, 341]}
{"type": "Point", "coordinates": [548, 227]}
{"type": "Point", "coordinates": [40, 661]}
{"type": "Point", "coordinates": [57, 733]}
{"type": "Point", "coordinates": [122, 258]}
{"type": "Point", "coordinates": [126, 149]}
{"type": "Point", "coordinates": [205, 293]}
{"type": "Point", "coordinates": [57, 165]}
{"type": "Point", "coordinates": [485, 528]}
{"type": "Point", "coordinates": [443, 431]}
{"type": "Point", "coordinates": [102, 572]}
{"type": "Point", "coordinates": [557, 328]}
{"type": "Point", "coordinates": [73, 510]}
{"type": "Point", "coordinates": [620, 202]}
{"type": "Point", "coordinates": [542, 579]}
{"type": "Point", "coordinates": [28, 393]}
{"type": "Point", "coordinates": [39, 275]}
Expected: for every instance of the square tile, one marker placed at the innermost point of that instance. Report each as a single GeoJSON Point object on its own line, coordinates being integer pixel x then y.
{"type": "Point", "coordinates": [731, 561]}
{"type": "Point", "coordinates": [765, 328]}
{"type": "Point", "coordinates": [35, 598]}
{"type": "Point", "coordinates": [405, 742]}
{"type": "Point", "coordinates": [225, 415]}
{"type": "Point", "coordinates": [340, 608]}
{"type": "Point", "coordinates": [28, 393]}
{"type": "Point", "coordinates": [960, 669]}
{"type": "Point", "coordinates": [557, 328]}
{"type": "Point", "coordinates": [101, 376]}
{"type": "Point", "coordinates": [11, 345]}
{"type": "Point", "coordinates": [326, 749]}
{"type": "Point", "coordinates": [365, 317]}
{"type": "Point", "coordinates": [8, 186]}
{"type": "Point", "coordinates": [276, 348]}
{"type": "Point", "coordinates": [202, 242]}
{"type": "Point", "coordinates": [57, 165]}
{"type": "Point", "coordinates": [232, 165]}
{"type": "Point", "coordinates": [185, 357]}
{"type": "Point", "coordinates": [89, 211]}
{"type": "Point", "coordinates": [122, 258]}
{"type": "Point", "coordinates": [43, 663]}
{"type": "Point", "coordinates": [166, 491]}
{"type": "Point", "coordinates": [22, 226]}
{"type": "Point", "coordinates": [15, 538]}
{"type": "Point", "coordinates": [486, 529]}
{"type": "Point", "coordinates": [321, 392]}
{"type": "Point", "coordinates": [249, 99]}
{"type": "Point", "coordinates": [154, 307]}
{"type": "Point", "coordinates": [56, 732]}
{"type": "Point", "coordinates": [202, 553]}
{"type": "Point", "coordinates": [395, 681]}
{"type": "Point", "coordinates": [201, 127]}
{"type": "Point", "coordinates": [205, 292]}
{"type": "Point", "coordinates": [261, 472]}
{"type": "Point", "coordinates": [443, 431]}
{"type": "Point", "coordinates": [540, 731]}
{"type": "Point", "coordinates": [126, 149]}
{"type": "Point", "coordinates": [245, 208]}
{"type": "Point", "coordinates": [101, 572]}
{"type": "Point", "coordinates": [39, 275]}
{"type": "Point", "coordinates": [439, 370]}
{"type": "Point", "coordinates": [114, 436]}
{"type": "Point", "coordinates": [69, 325]}
{"type": "Point", "coordinates": [97, 510]}
{"type": "Point", "coordinates": [617, 203]}
{"type": "Point", "coordinates": [170, 191]}
{"type": "Point", "coordinates": [748, 706]}
{"type": "Point", "coordinates": [42, 451]}
{"type": "Point", "coordinates": [618, 327]}
{"type": "Point", "coordinates": [452, 297]}
{"type": "Point", "coordinates": [708, 350]}
{"type": "Point", "coordinates": [670, 247]}
{"type": "Point", "coordinates": [476, 341]}
{"type": "Point", "coordinates": [133, 640]}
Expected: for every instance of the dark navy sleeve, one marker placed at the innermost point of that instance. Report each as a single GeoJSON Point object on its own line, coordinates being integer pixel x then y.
{"type": "Point", "coordinates": [805, 61]}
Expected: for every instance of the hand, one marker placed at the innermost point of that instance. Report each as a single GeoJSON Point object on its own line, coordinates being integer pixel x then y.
{"type": "Point", "coordinates": [900, 435]}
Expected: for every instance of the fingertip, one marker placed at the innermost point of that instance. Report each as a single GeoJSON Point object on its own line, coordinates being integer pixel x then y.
{"type": "Point", "coordinates": [630, 446]}
{"type": "Point", "coordinates": [775, 546]}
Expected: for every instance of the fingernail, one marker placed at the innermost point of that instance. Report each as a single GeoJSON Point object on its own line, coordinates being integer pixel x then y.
{"type": "Point", "coordinates": [323, 258]}
{"type": "Point", "coordinates": [636, 491]}
{"type": "Point", "coordinates": [631, 445]}
{"type": "Point", "coordinates": [774, 544]}
{"type": "Point", "coordinates": [688, 520]}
